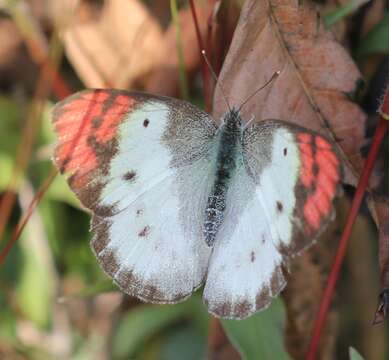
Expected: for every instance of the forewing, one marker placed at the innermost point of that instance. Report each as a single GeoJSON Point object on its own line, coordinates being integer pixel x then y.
{"type": "Point", "coordinates": [152, 134]}
{"type": "Point", "coordinates": [142, 164]}
{"type": "Point", "coordinates": [279, 200]}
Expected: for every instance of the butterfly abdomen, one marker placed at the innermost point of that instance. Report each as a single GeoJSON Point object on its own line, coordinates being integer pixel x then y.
{"type": "Point", "coordinates": [225, 166]}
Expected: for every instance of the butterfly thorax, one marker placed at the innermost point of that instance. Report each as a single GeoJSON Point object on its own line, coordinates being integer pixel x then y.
{"type": "Point", "coordinates": [229, 140]}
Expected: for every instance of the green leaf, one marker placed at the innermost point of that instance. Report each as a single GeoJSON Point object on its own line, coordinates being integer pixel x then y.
{"type": "Point", "coordinates": [184, 342]}
{"type": "Point", "coordinates": [338, 14]}
{"type": "Point", "coordinates": [259, 337]}
{"type": "Point", "coordinates": [10, 124]}
{"type": "Point", "coordinates": [377, 40]}
{"type": "Point", "coordinates": [47, 133]}
{"type": "Point", "coordinates": [140, 324]}
{"type": "Point", "coordinates": [354, 354]}
{"type": "Point", "coordinates": [6, 170]}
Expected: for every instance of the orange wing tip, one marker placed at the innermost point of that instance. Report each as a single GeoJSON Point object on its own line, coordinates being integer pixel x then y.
{"type": "Point", "coordinates": [320, 175]}
{"type": "Point", "coordinates": [312, 215]}
{"type": "Point", "coordinates": [306, 154]}
{"type": "Point", "coordinates": [86, 123]}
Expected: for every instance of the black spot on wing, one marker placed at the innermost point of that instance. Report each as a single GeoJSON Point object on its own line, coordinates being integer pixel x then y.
{"type": "Point", "coordinates": [97, 121]}
{"type": "Point", "coordinates": [285, 151]}
{"type": "Point", "coordinates": [280, 207]}
{"type": "Point", "coordinates": [129, 176]}
{"type": "Point", "coordinates": [252, 256]}
{"type": "Point", "coordinates": [144, 232]}
{"type": "Point", "coordinates": [146, 122]}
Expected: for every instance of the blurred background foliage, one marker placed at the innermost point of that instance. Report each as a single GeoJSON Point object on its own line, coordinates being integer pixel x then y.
{"type": "Point", "coordinates": [55, 302]}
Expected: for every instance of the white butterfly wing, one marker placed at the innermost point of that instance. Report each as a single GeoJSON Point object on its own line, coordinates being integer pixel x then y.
{"type": "Point", "coordinates": [276, 205]}
{"type": "Point", "coordinates": [131, 162]}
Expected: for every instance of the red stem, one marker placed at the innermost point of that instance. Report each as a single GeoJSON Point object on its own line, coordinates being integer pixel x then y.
{"type": "Point", "coordinates": [354, 210]}
{"type": "Point", "coordinates": [204, 67]}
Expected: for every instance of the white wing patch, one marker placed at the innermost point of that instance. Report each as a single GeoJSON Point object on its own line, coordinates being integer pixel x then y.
{"type": "Point", "coordinates": [276, 189]}
{"type": "Point", "coordinates": [138, 167]}
{"type": "Point", "coordinates": [153, 248]}
{"type": "Point", "coordinates": [157, 258]}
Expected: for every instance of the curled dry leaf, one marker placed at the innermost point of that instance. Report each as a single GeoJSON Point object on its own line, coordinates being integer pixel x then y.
{"type": "Point", "coordinates": [113, 45]}
{"type": "Point", "coordinates": [317, 79]}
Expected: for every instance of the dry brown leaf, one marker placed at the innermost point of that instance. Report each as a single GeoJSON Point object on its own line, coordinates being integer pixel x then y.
{"type": "Point", "coordinates": [317, 79]}
{"type": "Point", "coordinates": [317, 76]}
{"type": "Point", "coordinates": [164, 79]}
{"type": "Point", "coordinates": [114, 45]}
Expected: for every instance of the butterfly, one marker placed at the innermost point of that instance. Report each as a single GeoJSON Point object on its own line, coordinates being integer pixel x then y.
{"type": "Point", "coordinates": [178, 201]}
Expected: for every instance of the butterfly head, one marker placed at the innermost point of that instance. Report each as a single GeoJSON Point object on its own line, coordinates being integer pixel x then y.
{"type": "Point", "coordinates": [232, 120]}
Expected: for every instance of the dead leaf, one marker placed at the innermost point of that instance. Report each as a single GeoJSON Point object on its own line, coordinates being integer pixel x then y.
{"type": "Point", "coordinates": [317, 80]}
{"type": "Point", "coordinates": [113, 45]}
{"type": "Point", "coordinates": [164, 79]}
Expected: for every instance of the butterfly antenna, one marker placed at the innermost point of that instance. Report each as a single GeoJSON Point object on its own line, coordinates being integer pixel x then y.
{"type": "Point", "coordinates": [275, 75]}
{"type": "Point", "coordinates": [215, 78]}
